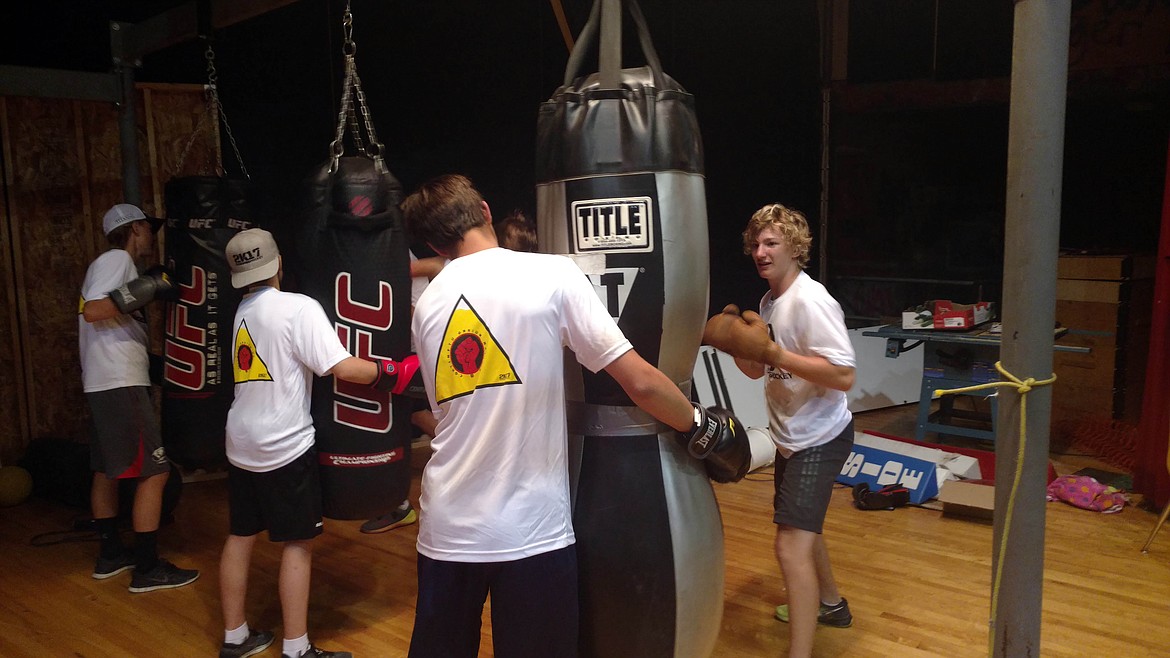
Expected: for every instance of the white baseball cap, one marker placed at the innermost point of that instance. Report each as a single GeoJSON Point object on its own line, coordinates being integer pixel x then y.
{"type": "Point", "coordinates": [125, 213]}
{"type": "Point", "coordinates": [252, 256]}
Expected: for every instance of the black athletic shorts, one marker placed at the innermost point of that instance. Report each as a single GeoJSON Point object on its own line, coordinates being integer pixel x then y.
{"type": "Point", "coordinates": [285, 502]}
{"type": "Point", "coordinates": [804, 482]}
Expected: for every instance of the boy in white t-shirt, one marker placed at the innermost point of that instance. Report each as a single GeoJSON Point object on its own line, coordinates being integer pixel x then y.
{"type": "Point", "coordinates": [801, 344]}
{"type": "Point", "coordinates": [127, 442]}
{"type": "Point", "coordinates": [281, 340]}
{"type": "Point", "coordinates": [495, 515]}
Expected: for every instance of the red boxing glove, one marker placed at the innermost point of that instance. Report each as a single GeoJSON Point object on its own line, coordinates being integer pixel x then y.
{"type": "Point", "coordinates": [399, 377]}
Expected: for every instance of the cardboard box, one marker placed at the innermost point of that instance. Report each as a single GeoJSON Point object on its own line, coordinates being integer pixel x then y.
{"type": "Point", "coordinates": [945, 314]}
{"type": "Point", "coordinates": [949, 315]}
{"type": "Point", "coordinates": [969, 499]}
{"type": "Point", "coordinates": [878, 462]}
{"type": "Point", "coordinates": [1108, 267]}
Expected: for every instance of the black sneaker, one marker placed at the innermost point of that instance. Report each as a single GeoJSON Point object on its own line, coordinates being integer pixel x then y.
{"type": "Point", "coordinates": [257, 641]}
{"type": "Point", "coordinates": [395, 518]}
{"type": "Point", "coordinates": [314, 652]}
{"type": "Point", "coordinates": [163, 576]}
{"type": "Point", "coordinates": [109, 567]}
{"type": "Point", "coordinates": [837, 615]}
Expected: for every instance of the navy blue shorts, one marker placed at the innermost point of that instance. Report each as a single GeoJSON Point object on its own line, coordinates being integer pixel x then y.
{"type": "Point", "coordinates": [804, 482]}
{"type": "Point", "coordinates": [534, 607]}
{"type": "Point", "coordinates": [286, 502]}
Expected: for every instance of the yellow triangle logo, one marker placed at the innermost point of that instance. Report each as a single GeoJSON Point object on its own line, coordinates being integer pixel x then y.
{"type": "Point", "coordinates": [247, 364]}
{"type": "Point", "coordinates": [470, 357]}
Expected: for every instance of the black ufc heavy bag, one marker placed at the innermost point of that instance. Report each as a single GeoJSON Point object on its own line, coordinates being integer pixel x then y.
{"type": "Point", "coordinates": [356, 262]}
{"type": "Point", "coordinates": [620, 189]}
{"type": "Point", "coordinates": [203, 213]}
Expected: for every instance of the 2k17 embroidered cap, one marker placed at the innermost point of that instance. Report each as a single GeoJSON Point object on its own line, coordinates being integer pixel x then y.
{"type": "Point", "coordinates": [252, 256]}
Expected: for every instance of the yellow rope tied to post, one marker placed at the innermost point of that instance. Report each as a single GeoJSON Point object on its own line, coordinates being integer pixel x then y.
{"type": "Point", "coordinates": [1022, 387]}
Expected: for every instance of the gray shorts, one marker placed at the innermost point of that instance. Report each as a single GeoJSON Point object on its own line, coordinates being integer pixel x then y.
{"type": "Point", "coordinates": [126, 441]}
{"type": "Point", "coordinates": [804, 482]}
{"type": "Point", "coordinates": [286, 502]}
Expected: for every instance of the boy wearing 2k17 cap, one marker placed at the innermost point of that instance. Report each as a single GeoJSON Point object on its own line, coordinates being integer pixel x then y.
{"type": "Point", "coordinates": [281, 340]}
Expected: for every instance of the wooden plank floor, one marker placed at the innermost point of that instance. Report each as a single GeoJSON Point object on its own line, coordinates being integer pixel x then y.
{"type": "Point", "coordinates": [918, 583]}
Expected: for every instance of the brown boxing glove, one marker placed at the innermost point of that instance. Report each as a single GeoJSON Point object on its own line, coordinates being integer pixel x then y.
{"type": "Point", "coordinates": [718, 330]}
{"type": "Point", "coordinates": [742, 336]}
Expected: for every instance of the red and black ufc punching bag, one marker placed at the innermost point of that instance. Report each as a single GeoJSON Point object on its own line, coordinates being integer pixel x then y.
{"type": "Point", "coordinates": [355, 261]}
{"type": "Point", "coordinates": [620, 190]}
{"type": "Point", "coordinates": [203, 213]}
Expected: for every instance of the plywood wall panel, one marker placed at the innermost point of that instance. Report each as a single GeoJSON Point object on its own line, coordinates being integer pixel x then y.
{"type": "Point", "coordinates": [14, 426]}
{"type": "Point", "coordinates": [63, 169]}
{"type": "Point", "coordinates": [48, 224]}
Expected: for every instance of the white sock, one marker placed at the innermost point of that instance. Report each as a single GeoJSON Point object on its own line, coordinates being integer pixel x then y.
{"type": "Point", "coordinates": [237, 635]}
{"type": "Point", "coordinates": [405, 505]}
{"type": "Point", "coordinates": [295, 647]}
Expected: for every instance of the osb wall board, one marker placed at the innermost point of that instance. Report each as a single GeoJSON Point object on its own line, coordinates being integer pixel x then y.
{"type": "Point", "coordinates": [176, 114]}
{"type": "Point", "coordinates": [103, 159]}
{"type": "Point", "coordinates": [45, 178]}
{"type": "Point", "coordinates": [12, 402]}
{"type": "Point", "coordinates": [64, 170]}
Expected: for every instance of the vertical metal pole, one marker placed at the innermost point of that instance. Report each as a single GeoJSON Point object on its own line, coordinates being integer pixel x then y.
{"type": "Point", "coordinates": [825, 14]}
{"type": "Point", "coordinates": [124, 65]}
{"type": "Point", "coordinates": [128, 132]}
{"type": "Point", "coordinates": [1034, 167]}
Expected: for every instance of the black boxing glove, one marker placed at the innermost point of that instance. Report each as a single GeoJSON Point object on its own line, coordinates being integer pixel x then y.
{"type": "Point", "coordinates": [700, 441]}
{"type": "Point", "coordinates": [720, 440]}
{"type": "Point", "coordinates": [155, 283]}
{"type": "Point", "coordinates": [399, 377]}
{"type": "Point", "coordinates": [731, 457]}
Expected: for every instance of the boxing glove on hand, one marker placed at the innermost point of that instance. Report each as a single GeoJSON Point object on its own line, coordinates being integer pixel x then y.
{"type": "Point", "coordinates": [399, 377]}
{"type": "Point", "coordinates": [155, 283]}
{"type": "Point", "coordinates": [701, 439]}
{"type": "Point", "coordinates": [721, 442]}
{"type": "Point", "coordinates": [718, 328]}
{"type": "Point", "coordinates": [742, 336]}
{"type": "Point", "coordinates": [731, 457]}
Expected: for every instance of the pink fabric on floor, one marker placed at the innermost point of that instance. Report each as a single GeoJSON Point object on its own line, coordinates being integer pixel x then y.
{"type": "Point", "coordinates": [1087, 493]}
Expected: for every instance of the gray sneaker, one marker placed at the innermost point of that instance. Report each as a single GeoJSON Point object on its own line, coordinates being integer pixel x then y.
{"type": "Point", "coordinates": [112, 566]}
{"type": "Point", "coordinates": [257, 641]}
{"type": "Point", "coordinates": [314, 652]}
{"type": "Point", "coordinates": [163, 576]}
{"type": "Point", "coordinates": [837, 616]}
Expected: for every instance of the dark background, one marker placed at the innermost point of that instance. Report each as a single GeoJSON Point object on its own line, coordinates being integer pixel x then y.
{"type": "Point", "coordinates": [917, 174]}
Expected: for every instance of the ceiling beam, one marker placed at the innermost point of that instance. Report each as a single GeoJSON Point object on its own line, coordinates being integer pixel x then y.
{"type": "Point", "coordinates": [129, 42]}
{"type": "Point", "coordinates": [56, 83]}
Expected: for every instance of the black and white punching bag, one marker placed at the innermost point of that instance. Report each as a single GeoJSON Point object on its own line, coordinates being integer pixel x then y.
{"type": "Point", "coordinates": [620, 190]}
{"type": "Point", "coordinates": [356, 262]}
{"type": "Point", "coordinates": [203, 213]}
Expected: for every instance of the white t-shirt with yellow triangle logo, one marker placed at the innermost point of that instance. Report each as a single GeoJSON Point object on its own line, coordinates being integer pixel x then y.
{"type": "Point", "coordinates": [280, 340]}
{"type": "Point", "coordinates": [490, 331]}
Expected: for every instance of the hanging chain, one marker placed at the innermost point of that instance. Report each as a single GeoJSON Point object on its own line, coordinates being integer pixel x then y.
{"type": "Point", "coordinates": [213, 93]}
{"type": "Point", "coordinates": [213, 108]}
{"type": "Point", "coordinates": [351, 91]}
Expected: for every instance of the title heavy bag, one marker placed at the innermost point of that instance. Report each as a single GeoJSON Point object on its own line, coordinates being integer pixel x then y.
{"type": "Point", "coordinates": [356, 263]}
{"type": "Point", "coordinates": [620, 190]}
{"type": "Point", "coordinates": [203, 213]}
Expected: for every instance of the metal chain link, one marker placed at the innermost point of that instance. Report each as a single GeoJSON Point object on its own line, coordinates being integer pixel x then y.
{"type": "Point", "coordinates": [213, 108]}
{"type": "Point", "coordinates": [354, 130]}
{"type": "Point", "coordinates": [348, 114]}
{"type": "Point", "coordinates": [212, 84]}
